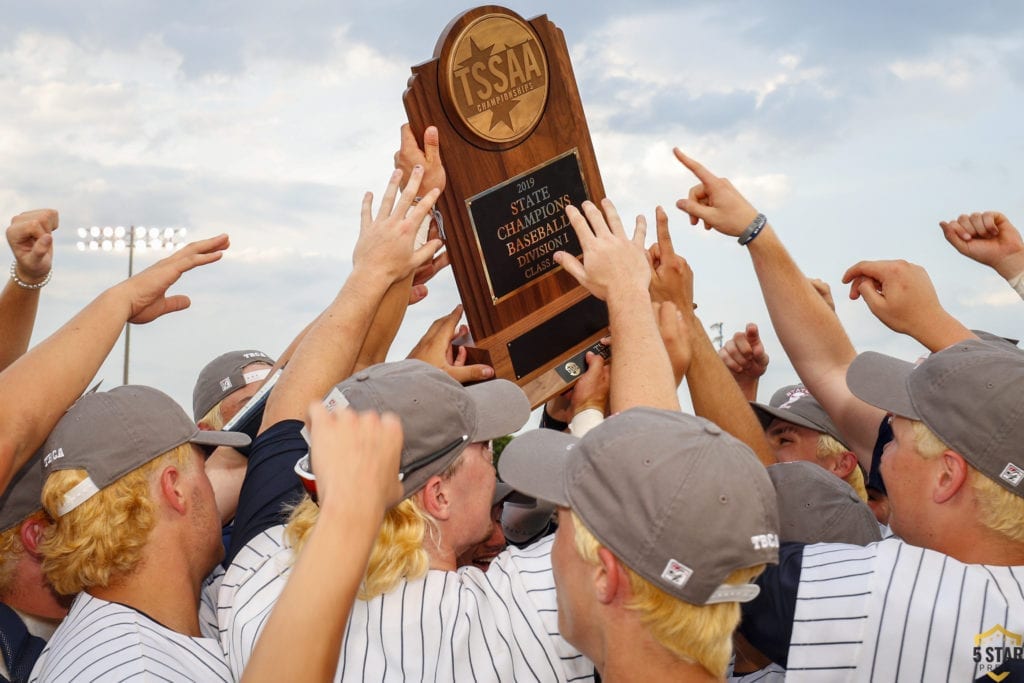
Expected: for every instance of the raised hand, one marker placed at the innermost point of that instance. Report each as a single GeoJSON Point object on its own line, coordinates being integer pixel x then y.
{"type": "Point", "coordinates": [902, 296]}
{"type": "Point", "coordinates": [611, 261]}
{"type": "Point", "coordinates": [29, 236]}
{"type": "Point", "coordinates": [671, 277]}
{"type": "Point", "coordinates": [746, 359]}
{"type": "Point", "coordinates": [591, 389]}
{"type": "Point", "coordinates": [410, 155]}
{"type": "Point", "coordinates": [715, 201]}
{"type": "Point", "coordinates": [355, 457]}
{"type": "Point", "coordinates": [436, 348]}
{"type": "Point", "coordinates": [146, 291]}
{"type": "Point", "coordinates": [988, 238]}
{"type": "Point", "coordinates": [386, 241]}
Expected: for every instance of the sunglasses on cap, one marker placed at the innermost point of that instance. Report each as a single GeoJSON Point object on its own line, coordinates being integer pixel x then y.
{"type": "Point", "coordinates": [304, 466]}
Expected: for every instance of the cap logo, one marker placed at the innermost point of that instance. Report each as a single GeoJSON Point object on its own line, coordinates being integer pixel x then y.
{"type": "Point", "coordinates": [254, 354]}
{"type": "Point", "coordinates": [762, 541]}
{"type": "Point", "coordinates": [53, 455]}
{"type": "Point", "coordinates": [1012, 474]}
{"type": "Point", "coordinates": [225, 384]}
{"type": "Point", "coordinates": [676, 573]}
{"type": "Point", "coordinates": [794, 395]}
{"type": "Point", "coordinates": [334, 400]}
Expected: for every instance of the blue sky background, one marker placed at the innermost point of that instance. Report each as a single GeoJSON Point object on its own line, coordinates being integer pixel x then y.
{"type": "Point", "coordinates": [855, 127]}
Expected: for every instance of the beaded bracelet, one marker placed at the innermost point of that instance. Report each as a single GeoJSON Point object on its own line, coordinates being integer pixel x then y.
{"type": "Point", "coordinates": [24, 285]}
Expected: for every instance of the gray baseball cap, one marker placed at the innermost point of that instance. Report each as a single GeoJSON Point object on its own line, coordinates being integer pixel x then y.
{"type": "Point", "coordinates": [439, 416]}
{"type": "Point", "coordinates": [111, 433]}
{"type": "Point", "coordinates": [526, 519]}
{"type": "Point", "coordinates": [223, 376]}
{"type": "Point", "coordinates": [23, 494]}
{"type": "Point", "coordinates": [816, 506]}
{"type": "Point", "coordinates": [675, 498]}
{"type": "Point", "coordinates": [971, 395]}
{"type": "Point", "coordinates": [795, 404]}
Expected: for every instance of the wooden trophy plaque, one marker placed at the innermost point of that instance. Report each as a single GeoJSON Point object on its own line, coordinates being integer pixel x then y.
{"type": "Point", "coordinates": [517, 149]}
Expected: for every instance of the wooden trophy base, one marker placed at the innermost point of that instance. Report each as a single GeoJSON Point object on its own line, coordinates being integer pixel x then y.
{"type": "Point", "coordinates": [545, 352]}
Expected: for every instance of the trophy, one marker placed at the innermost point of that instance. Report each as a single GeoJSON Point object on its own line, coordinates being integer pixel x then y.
{"type": "Point", "coordinates": [517, 150]}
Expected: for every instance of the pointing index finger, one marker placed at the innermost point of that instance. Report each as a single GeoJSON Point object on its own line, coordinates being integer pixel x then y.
{"type": "Point", "coordinates": [703, 174]}
{"type": "Point", "coordinates": [664, 236]}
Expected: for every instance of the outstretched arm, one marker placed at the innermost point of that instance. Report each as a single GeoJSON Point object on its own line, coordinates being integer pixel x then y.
{"type": "Point", "coordinates": [39, 387]}
{"type": "Point", "coordinates": [714, 393]}
{"type": "Point", "coordinates": [32, 245]}
{"type": "Point", "coordinates": [990, 239]}
{"type": "Point", "coordinates": [901, 295]}
{"type": "Point", "coordinates": [355, 460]}
{"type": "Point", "coordinates": [795, 307]}
{"type": "Point", "coordinates": [615, 270]}
{"type": "Point", "coordinates": [412, 288]}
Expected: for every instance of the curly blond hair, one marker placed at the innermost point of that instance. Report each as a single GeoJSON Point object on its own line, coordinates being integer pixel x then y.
{"type": "Point", "coordinates": [101, 540]}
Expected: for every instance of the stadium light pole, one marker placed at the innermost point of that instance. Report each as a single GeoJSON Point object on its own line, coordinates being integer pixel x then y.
{"type": "Point", "coordinates": [135, 237]}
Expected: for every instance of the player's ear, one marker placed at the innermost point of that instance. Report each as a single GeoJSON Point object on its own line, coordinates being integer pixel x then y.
{"type": "Point", "coordinates": [434, 498]}
{"type": "Point", "coordinates": [172, 488]}
{"type": "Point", "coordinates": [31, 533]}
{"type": "Point", "coordinates": [952, 476]}
{"type": "Point", "coordinates": [609, 577]}
{"type": "Point", "coordinates": [844, 464]}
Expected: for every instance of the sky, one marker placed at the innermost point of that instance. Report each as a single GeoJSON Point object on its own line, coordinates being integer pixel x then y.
{"type": "Point", "coordinates": [855, 127]}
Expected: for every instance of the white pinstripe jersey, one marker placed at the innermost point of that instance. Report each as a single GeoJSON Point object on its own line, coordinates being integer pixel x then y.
{"type": "Point", "coordinates": [773, 673]}
{"type": "Point", "coordinates": [895, 612]}
{"type": "Point", "coordinates": [106, 641]}
{"type": "Point", "coordinates": [501, 625]}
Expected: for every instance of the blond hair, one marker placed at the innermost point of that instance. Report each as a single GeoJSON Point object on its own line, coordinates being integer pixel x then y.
{"type": "Point", "coordinates": [101, 541]}
{"type": "Point", "coordinates": [828, 450]}
{"type": "Point", "coordinates": [397, 552]}
{"type": "Point", "coordinates": [213, 420]}
{"type": "Point", "coordinates": [998, 509]}
{"type": "Point", "coordinates": [697, 634]}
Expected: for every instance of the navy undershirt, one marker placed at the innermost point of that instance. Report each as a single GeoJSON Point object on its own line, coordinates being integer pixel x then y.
{"type": "Point", "coordinates": [271, 486]}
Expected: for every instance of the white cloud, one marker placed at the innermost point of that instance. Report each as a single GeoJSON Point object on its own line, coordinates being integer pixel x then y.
{"type": "Point", "coordinates": [953, 73]}
{"type": "Point", "coordinates": [1001, 298]}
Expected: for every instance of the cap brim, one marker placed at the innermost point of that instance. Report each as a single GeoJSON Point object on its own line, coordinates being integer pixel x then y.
{"type": "Point", "coordinates": [534, 463]}
{"type": "Point", "coordinates": [882, 381]}
{"type": "Point", "coordinates": [501, 408]}
{"type": "Point", "coordinates": [206, 437]}
{"type": "Point", "coordinates": [765, 414]}
{"type": "Point", "coordinates": [503, 493]}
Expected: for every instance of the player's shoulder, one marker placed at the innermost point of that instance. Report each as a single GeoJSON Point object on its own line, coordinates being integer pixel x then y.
{"type": "Point", "coordinates": [254, 579]}
{"type": "Point", "coordinates": [267, 550]}
{"type": "Point", "coordinates": [91, 643]}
